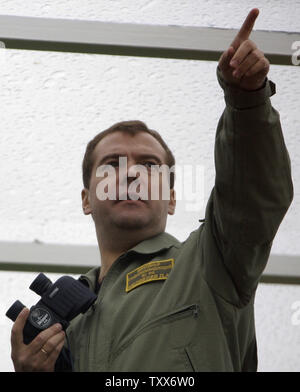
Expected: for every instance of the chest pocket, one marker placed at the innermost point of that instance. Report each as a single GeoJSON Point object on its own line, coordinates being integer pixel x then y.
{"type": "Point", "coordinates": [154, 347]}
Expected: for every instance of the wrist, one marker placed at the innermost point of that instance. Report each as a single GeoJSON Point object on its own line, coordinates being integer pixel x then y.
{"type": "Point", "coordinates": [240, 98]}
{"type": "Point", "coordinates": [263, 85]}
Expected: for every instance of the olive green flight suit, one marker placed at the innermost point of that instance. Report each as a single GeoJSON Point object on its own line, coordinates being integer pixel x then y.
{"type": "Point", "coordinates": [192, 309]}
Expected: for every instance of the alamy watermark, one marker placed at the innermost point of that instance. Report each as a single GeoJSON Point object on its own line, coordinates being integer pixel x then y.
{"type": "Point", "coordinates": [295, 319]}
{"type": "Point", "coordinates": [296, 54]}
{"type": "Point", "coordinates": [151, 182]}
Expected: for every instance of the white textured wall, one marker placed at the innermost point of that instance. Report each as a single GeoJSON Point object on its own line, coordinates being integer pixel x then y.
{"type": "Point", "coordinates": [276, 14]}
{"type": "Point", "coordinates": [53, 103]}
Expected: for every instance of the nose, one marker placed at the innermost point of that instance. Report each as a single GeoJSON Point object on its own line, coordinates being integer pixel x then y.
{"type": "Point", "coordinates": [127, 172]}
{"type": "Point", "coordinates": [132, 172]}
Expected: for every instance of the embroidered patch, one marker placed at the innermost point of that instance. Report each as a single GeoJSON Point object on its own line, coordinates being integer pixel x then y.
{"type": "Point", "coordinates": [149, 272]}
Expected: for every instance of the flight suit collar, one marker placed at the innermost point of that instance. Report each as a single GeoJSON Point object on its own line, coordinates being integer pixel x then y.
{"type": "Point", "coordinates": [155, 244]}
{"type": "Point", "coordinates": [151, 245]}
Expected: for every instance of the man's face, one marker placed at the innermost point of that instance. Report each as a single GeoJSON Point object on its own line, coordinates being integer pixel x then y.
{"type": "Point", "coordinates": [148, 214]}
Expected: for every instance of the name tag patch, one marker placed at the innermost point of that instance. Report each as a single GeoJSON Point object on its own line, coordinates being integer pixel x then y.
{"type": "Point", "coordinates": [149, 272]}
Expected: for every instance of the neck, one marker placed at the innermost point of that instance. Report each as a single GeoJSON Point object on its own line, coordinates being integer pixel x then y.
{"type": "Point", "coordinates": [113, 245]}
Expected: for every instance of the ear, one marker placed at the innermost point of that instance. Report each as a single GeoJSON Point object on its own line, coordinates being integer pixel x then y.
{"type": "Point", "coordinates": [85, 196]}
{"type": "Point", "coordinates": [172, 202]}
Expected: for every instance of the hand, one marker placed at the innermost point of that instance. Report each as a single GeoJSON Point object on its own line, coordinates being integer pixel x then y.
{"type": "Point", "coordinates": [29, 358]}
{"type": "Point", "coordinates": [243, 64]}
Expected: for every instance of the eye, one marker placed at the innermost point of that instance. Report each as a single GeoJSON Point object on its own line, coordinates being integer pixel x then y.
{"type": "Point", "coordinates": [113, 163]}
{"type": "Point", "coordinates": [150, 164]}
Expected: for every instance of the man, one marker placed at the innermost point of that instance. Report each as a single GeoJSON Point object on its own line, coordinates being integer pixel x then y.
{"type": "Point", "coordinates": [169, 306]}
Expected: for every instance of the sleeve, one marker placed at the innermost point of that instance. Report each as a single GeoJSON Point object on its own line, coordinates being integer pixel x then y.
{"type": "Point", "coordinates": [253, 188]}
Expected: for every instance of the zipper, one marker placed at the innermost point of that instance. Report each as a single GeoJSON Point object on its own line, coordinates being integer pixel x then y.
{"type": "Point", "coordinates": [189, 310]}
{"type": "Point", "coordinates": [178, 314]}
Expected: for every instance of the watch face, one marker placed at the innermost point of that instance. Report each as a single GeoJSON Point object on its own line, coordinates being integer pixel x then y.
{"type": "Point", "coordinates": [40, 318]}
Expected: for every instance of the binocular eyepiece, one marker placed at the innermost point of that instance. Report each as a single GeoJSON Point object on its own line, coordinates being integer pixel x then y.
{"type": "Point", "coordinates": [60, 302]}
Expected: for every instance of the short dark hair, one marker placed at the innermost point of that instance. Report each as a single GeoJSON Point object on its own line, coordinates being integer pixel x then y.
{"type": "Point", "coordinates": [131, 127]}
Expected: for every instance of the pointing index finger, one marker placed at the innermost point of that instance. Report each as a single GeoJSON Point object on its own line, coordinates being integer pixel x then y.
{"type": "Point", "coordinates": [246, 28]}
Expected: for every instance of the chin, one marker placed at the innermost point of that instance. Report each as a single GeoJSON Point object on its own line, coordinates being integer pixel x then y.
{"type": "Point", "coordinates": [131, 223]}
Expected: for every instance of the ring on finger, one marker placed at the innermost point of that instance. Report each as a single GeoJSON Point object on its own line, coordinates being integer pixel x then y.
{"type": "Point", "coordinates": [44, 351]}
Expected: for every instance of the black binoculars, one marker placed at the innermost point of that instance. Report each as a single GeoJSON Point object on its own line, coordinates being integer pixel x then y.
{"type": "Point", "coordinates": [60, 302]}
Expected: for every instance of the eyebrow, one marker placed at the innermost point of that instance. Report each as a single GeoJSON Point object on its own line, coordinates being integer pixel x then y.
{"type": "Point", "coordinates": [139, 156]}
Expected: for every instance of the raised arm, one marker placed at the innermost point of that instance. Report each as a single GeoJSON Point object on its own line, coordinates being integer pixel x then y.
{"type": "Point", "coordinates": [253, 187]}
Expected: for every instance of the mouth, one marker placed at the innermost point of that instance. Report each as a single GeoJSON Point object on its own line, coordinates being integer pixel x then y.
{"type": "Point", "coordinates": [130, 201]}
{"type": "Point", "coordinates": [125, 198]}
{"type": "Point", "coordinates": [131, 204]}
